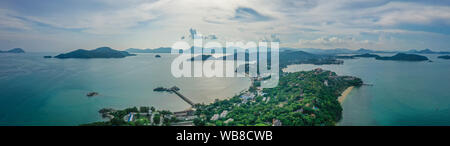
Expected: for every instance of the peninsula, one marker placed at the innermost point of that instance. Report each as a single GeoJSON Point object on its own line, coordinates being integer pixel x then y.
{"type": "Point", "coordinates": [103, 52]}
{"type": "Point", "coordinates": [307, 98]}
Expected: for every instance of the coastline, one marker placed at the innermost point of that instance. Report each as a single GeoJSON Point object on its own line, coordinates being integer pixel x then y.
{"type": "Point", "coordinates": [344, 94]}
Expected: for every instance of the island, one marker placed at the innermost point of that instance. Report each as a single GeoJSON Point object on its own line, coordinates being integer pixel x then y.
{"type": "Point", "coordinates": [161, 89]}
{"type": "Point", "coordinates": [201, 58]}
{"type": "Point", "coordinates": [367, 55]}
{"type": "Point", "coordinates": [444, 57]}
{"type": "Point", "coordinates": [306, 98]}
{"type": "Point", "coordinates": [102, 52]}
{"type": "Point", "coordinates": [47, 56]}
{"type": "Point", "coordinates": [427, 51]}
{"type": "Point", "coordinates": [157, 56]}
{"type": "Point", "coordinates": [15, 50]}
{"type": "Point", "coordinates": [404, 57]}
{"type": "Point", "coordinates": [92, 94]}
{"type": "Point", "coordinates": [157, 50]}
{"type": "Point", "coordinates": [344, 57]}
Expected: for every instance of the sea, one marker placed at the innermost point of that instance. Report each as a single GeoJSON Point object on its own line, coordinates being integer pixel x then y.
{"type": "Point", "coordinates": [52, 92]}
{"type": "Point", "coordinates": [399, 93]}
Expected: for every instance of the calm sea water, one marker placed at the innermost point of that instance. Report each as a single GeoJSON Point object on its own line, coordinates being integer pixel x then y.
{"type": "Point", "coordinates": [38, 91]}
{"type": "Point", "coordinates": [403, 93]}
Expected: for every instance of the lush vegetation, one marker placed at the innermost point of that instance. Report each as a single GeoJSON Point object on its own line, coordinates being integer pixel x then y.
{"type": "Point", "coordinates": [300, 99]}
{"type": "Point", "coordinates": [404, 57]}
{"type": "Point", "coordinates": [143, 116]}
{"type": "Point", "coordinates": [307, 98]}
{"type": "Point", "coordinates": [103, 52]}
{"type": "Point", "coordinates": [300, 57]}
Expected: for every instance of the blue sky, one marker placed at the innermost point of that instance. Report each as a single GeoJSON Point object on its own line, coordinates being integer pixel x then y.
{"type": "Point", "coordinates": [63, 25]}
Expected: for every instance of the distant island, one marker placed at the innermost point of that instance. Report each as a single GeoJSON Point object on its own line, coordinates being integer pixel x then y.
{"type": "Point", "coordinates": [201, 58]}
{"type": "Point", "coordinates": [444, 57]}
{"type": "Point", "coordinates": [300, 57]}
{"type": "Point", "coordinates": [404, 57]}
{"type": "Point", "coordinates": [337, 51]}
{"type": "Point", "coordinates": [366, 55]}
{"type": "Point", "coordinates": [102, 52]}
{"type": "Point", "coordinates": [426, 51]}
{"type": "Point", "coordinates": [157, 50]}
{"type": "Point", "coordinates": [15, 50]}
{"type": "Point", "coordinates": [361, 51]}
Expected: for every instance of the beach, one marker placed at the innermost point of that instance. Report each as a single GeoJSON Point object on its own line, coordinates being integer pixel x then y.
{"type": "Point", "coordinates": [344, 94]}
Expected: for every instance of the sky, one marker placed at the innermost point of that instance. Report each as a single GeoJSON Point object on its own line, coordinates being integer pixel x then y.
{"type": "Point", "coordinates": [64, 25]}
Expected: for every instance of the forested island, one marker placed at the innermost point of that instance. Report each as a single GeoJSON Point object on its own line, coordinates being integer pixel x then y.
{"type": "Point", "coordinates": [307, 98]}
{"type": "Point", "coordinates": [366, 55]}
{"type": "Point", "coordinates": [15, 50]}
{"type": "Point", "coordinates": [444, 57]}
{"type": "Point", "coordinates": [404, 57]}
{"type": "Point", "coordinates": [102, 52]}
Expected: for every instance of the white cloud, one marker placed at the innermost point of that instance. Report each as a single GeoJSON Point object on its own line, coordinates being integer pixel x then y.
{"type": "Point", "coordinates": [333, 42]}
{"type": "Point", "coordinates": [144, 23]}
{"type": "Point", "coordinates": [411, 13]}
{"type": "Point", "coordinates": [9, 21]}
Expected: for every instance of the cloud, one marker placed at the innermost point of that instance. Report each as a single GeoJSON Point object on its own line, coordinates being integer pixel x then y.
{"type": "Point", "coordinates": [321, 23]}
{"type": "Point", "coordinates": [194, 34]}
{"type": "Point", "coordinates": [211, 37]}
{"type": "Point", "coordinates": [272, 38]}
{"type": "Point", "coordinates": [412, 13]}
{"type": "Point", "coordinates": [333, 42]}
{"type": "Point", "coordinates": [9, 20]}
{"type": "Point", "coordinates": [248, 15]}
{"type": "Point", "coordinates": [109, 21]}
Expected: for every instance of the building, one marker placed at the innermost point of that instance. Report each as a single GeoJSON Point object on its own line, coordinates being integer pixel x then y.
{"type": "Point", "coordinates": [276, 122]}
{"type": "Point", "coordinates": [228, 121]}
{"type": "Point", "coordinates": [215, 117]}
{"type": "Point", "coordinates": [223, 114]}
{"type": "Point", "coordinates": [247, 96]}
{"type": "Point", "coordinates": [129, 117]}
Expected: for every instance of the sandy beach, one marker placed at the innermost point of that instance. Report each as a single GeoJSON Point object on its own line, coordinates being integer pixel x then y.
{"type": "Point", "coordinates": [344, 94]}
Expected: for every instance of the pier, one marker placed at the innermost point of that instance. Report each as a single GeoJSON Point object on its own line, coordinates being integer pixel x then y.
{"type": "Point", "coordinates": [183, 97]}
{"type": "Point", "coordinates": [175, 90]}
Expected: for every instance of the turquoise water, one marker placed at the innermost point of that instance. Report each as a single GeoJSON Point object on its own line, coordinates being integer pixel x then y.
{"type": "Point", "coordinates": [38, 91]}
{"type": "Point", "coordinates": [403, 93]}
